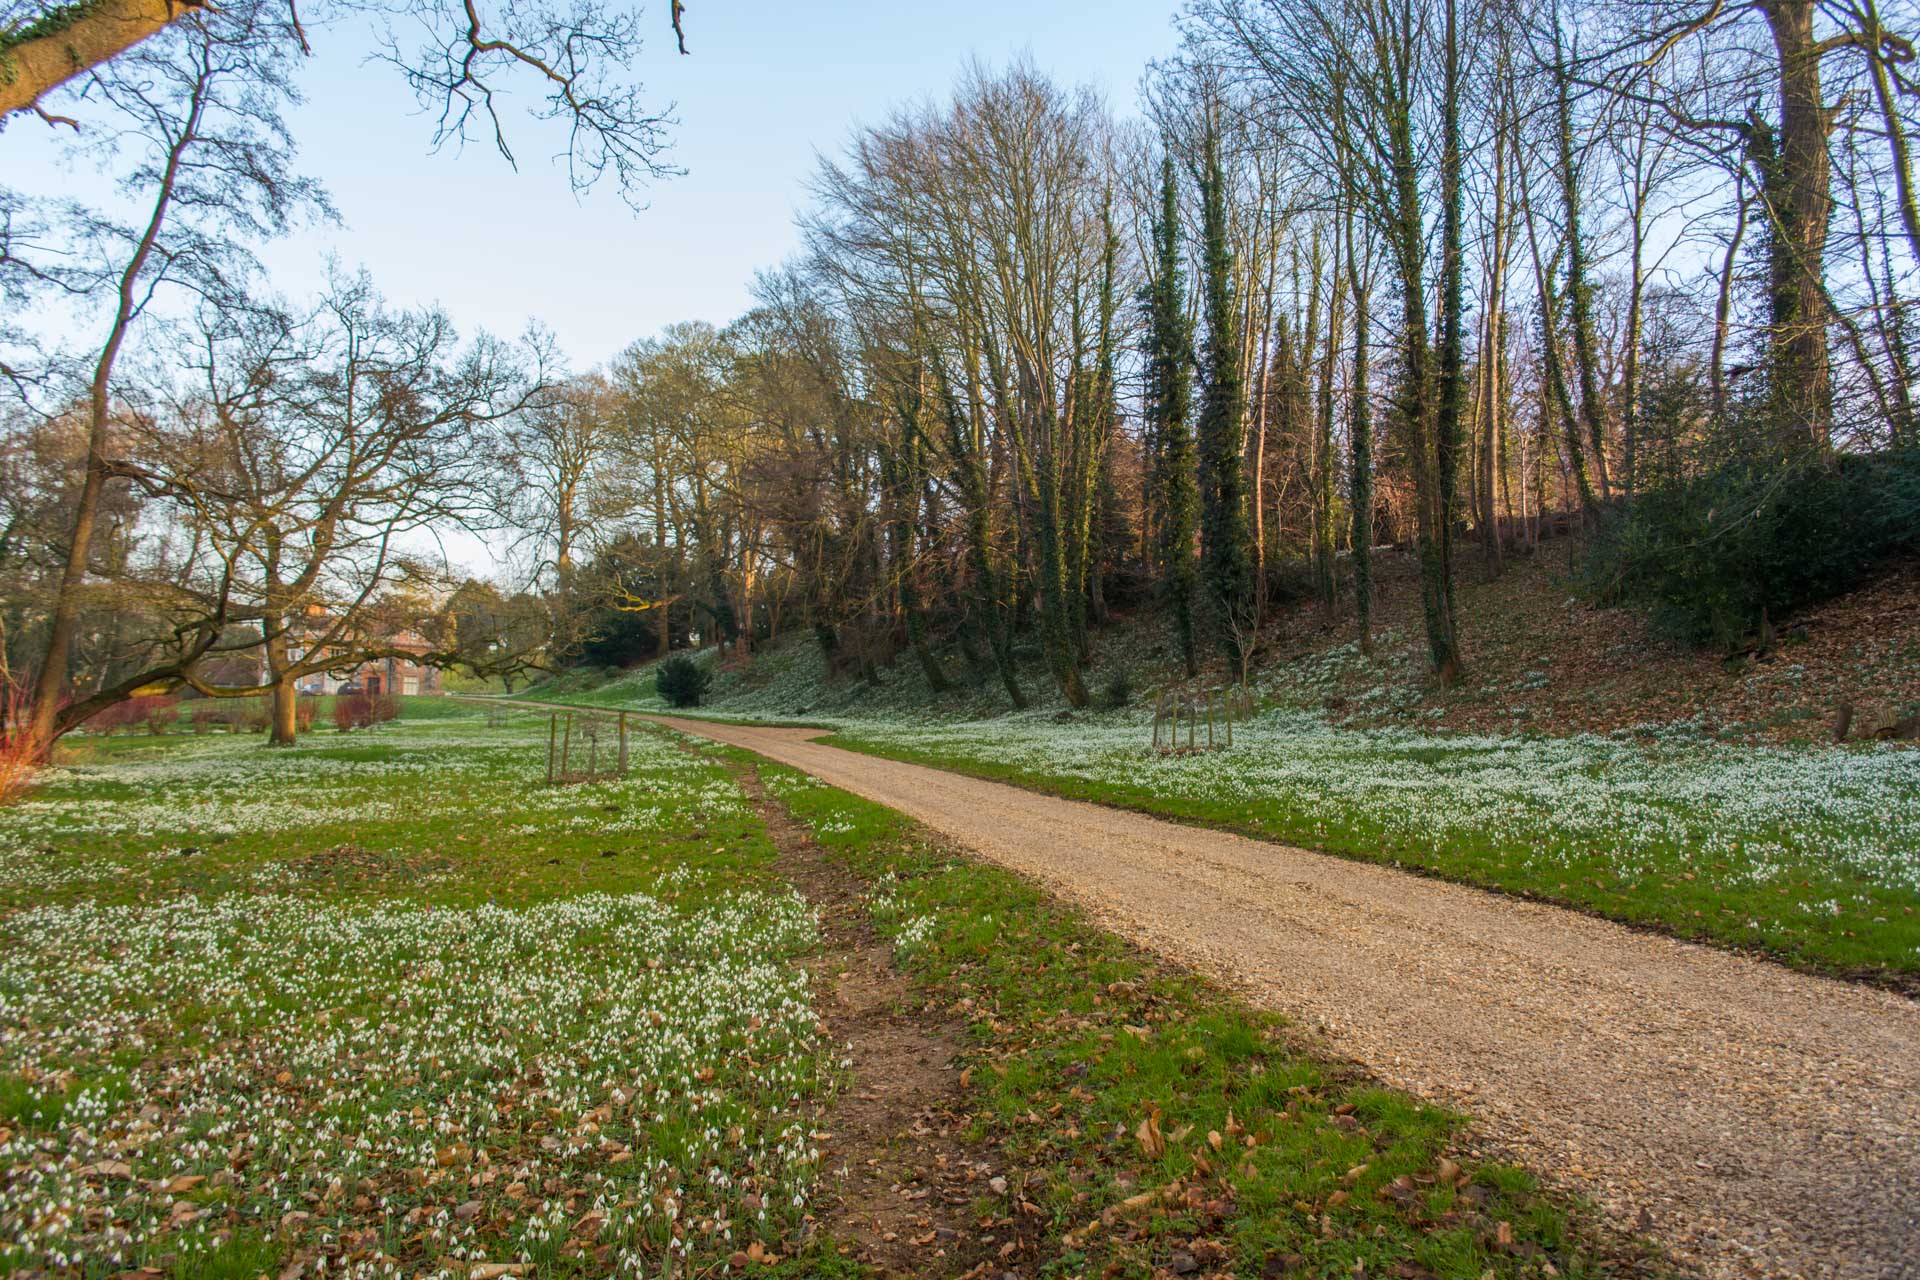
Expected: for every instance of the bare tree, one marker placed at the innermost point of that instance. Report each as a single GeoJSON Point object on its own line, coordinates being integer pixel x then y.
{"type": "Point", "coordinates": [577, 54]}
{"type": "Point", "coordinates": [202, 107]}
{"type": "Point", "coordinates": [315, 461]}
{"type": "Point", "coordinates": [1370, 85]}
{"type": "Point", "coordinates": [554, 451]}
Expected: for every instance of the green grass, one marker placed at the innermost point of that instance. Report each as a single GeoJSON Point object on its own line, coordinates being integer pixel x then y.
{"type": "Point", "coordinates": [413, 707]}
{"type": "Point", "coordinates": [1775, 888]}
{"type": "Point", "coordinates": [386, 998]}
{"type": "Point", "coordinates": [1256, 1157]}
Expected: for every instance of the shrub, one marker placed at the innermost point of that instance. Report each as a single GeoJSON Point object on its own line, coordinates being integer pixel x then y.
{"type": "Point", "coordinates": [305, 708]}
{"type": "Point", "coordinates": [159, 714]}
{"type": "Point", "coordinates": [153, 712]}
{"type": "Point", "coordinates": [385, 707]}
{"type": "Point", "coordinates": [225, 713]}
{"type": "Point", "coordinates": [352, 711]}
{"type": "Point", "coordinates": [17, 764]}
{"type": "Point", "coordinates": [682, 682]}
{"type": "Point", "coordinates": [1721, 555]}
{"type": "Point", "coordinates": [1117, 692]}
{"type": "Point", "coordinates": [110, 720]}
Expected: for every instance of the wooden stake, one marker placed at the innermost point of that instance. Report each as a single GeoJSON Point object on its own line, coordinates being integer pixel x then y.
{"type": "Point", "coordinates": [553, 731]}
{"type": "Point", "coordinates": [623, 744]}
{"type": "Point", "coordinates": [566, 746]}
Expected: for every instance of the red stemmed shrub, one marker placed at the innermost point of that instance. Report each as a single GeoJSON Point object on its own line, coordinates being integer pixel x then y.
{"type": "Point", "coordinates": [352, 711]}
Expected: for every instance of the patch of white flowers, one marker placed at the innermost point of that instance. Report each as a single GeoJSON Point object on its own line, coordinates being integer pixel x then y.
{"type": "Point", "coordinates": [298, 1070]}
{"type": "Point", "coordinates": [1755, 815]}
{"type": "Point", "coordinates": [381, 1088]}
{"type": "Point", "coordinates": [910, 932]}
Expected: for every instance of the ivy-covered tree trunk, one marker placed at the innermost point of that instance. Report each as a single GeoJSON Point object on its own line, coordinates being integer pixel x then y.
{"type": "Point", "coordinates": [1169, 402]}
{"type": "Point", "coordinates": [1040, 474]}
{"type": "Point", "coordinates": [1555, 399]}
{"type": "Point", "coordinates": [1323, 463]}
{"type": "Point", "coordinates": [1796, 197]}
{"type": "Point", "coordinates": [901, 468]}
{"type": "Point", "coordinates": [1579, 296]}
{"type": "Point", "coordinates": [1092, 437]}
{"type": "Point", "coordinates": [1360, 442]}
{"type": "Point", "coordinates": [993, 591]}
{"type": "Point", "coordinates": [1225, 534]}
{"type": "Point", "coordinates": [1443, 630]}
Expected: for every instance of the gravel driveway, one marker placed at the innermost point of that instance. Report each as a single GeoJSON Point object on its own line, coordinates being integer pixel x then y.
{"type": "Point", "coordinates": [1757, 1121]}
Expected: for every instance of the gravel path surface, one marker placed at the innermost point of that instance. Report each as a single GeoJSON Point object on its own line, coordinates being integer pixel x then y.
{"type": "Point", "coordinates": [1757, 1121]}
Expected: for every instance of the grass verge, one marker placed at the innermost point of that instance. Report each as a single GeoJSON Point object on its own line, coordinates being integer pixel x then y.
{"type": "Point", "coordinates": [1799, 857]}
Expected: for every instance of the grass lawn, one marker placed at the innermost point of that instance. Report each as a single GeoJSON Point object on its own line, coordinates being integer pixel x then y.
{"type": "Point", "coordinates": [384, 1001]}
{"type": "Point", "coordinates": [1812, 857]}
{"type": "Point", "coordinates": [384, 1004]}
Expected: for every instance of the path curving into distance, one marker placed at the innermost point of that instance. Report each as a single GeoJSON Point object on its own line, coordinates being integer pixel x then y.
{"type": "Point", "coordinates": [1757, 1121]}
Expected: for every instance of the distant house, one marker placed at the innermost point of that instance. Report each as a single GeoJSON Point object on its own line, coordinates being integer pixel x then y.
{"type": "Point", "coordinates": [384, 675]}
{"type": "Point", "coordinates": [402, 673]}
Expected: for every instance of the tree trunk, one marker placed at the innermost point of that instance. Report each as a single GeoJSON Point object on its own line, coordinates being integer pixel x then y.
{"type": "Point", "coordinates": [286, 725]}
{"type": "Point", "coordinates": [1437, 555]}
{"type": "Point", "coordinates": [1556, 401]}
{"type": "Point", "coordinates": [1723, 301]}
{"type": "Point", "coordinates": [1323, 431]}
{"type": "Point", "coordinates": [1360, 432]}
{"type": "Point", "coordinates": [92, 33]}
{"type": "Point", "coordinates": [1579, 289]}
{"type": "Point", "coordinates": [50, 689]}
{"type": "Point", "coordinates": [1493, 352]}
{"type": "Point", "coordinates": [1225, 530]}
{"type": "Point", "coordinates": [1630, 374]}
{"type": "Point", "coordinates": [1796, 174]}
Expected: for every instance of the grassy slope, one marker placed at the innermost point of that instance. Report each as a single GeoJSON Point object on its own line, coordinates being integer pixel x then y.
{"type": "Point", "coordinates": [1711, 826]}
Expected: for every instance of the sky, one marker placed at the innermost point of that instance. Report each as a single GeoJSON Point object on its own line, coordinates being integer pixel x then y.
{"type": "Point", "coordinates": [766, 88]}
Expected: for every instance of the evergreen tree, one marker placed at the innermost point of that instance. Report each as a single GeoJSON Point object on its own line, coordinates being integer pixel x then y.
{"type": "Point", "coordinates": [1169, 403]}
{"type": "Point", "coordinates": [1226, 557]}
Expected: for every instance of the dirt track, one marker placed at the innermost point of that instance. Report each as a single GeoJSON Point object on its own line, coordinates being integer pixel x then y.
{"type": "Point", "coordinates": [1757, 1121]}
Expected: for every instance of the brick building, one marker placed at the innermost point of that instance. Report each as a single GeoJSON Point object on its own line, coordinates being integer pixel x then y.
{"type": "Point", "coordinates": [399, 674]}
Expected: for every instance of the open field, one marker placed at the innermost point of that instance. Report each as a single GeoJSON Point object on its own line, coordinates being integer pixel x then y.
{"type": "Point", "coordinates": [383, 1004]}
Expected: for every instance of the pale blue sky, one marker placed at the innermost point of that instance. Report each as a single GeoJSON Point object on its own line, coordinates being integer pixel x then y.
{"type": "Point", "coordinates": [768, 86]}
